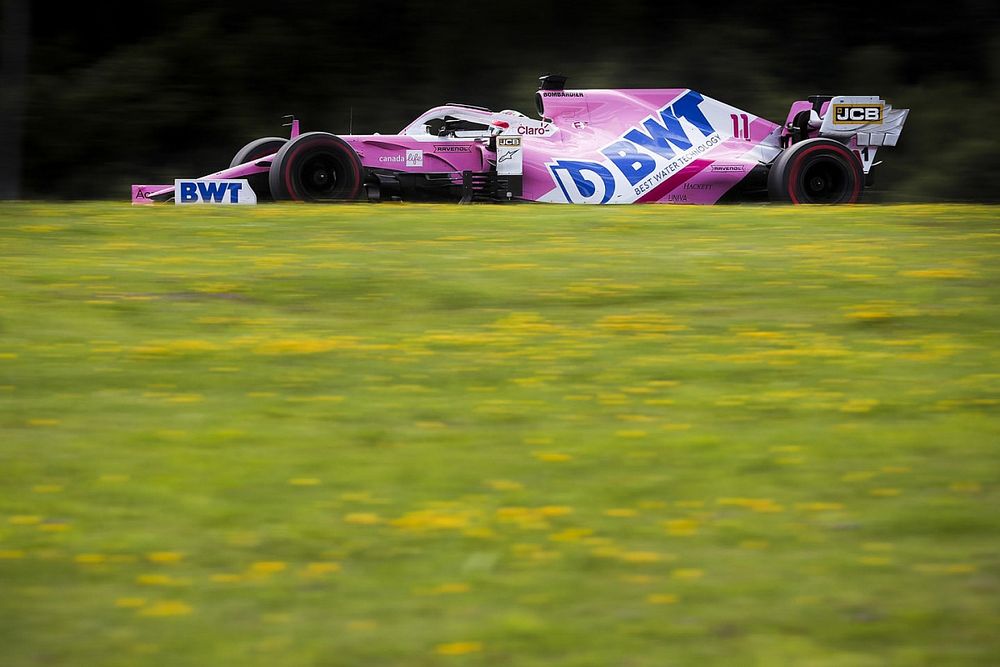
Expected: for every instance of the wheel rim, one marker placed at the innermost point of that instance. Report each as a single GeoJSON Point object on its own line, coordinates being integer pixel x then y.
{"type": "Point", "coordinates": [825, 181]}
{"type": "Point", "coordinates": [318, 175]}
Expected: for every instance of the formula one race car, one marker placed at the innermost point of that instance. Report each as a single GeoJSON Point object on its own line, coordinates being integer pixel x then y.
{"type": "Point", "coordinates": [590, 147]}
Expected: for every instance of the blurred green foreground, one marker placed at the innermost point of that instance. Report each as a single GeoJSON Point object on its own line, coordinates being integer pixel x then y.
{"type": "Point", "coordinates": [529, 435]}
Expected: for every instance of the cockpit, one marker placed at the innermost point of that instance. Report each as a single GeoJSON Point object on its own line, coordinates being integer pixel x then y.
{"type": "Point", "coordinates": [457, 121]}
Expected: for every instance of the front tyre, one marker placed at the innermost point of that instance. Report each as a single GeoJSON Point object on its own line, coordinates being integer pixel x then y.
{"type": "Point", "coordinates": [255, 150]}
{"type": "Point", "coordinates": [816, 171]}
{"type": "Point", "coordinates": [316, 166]}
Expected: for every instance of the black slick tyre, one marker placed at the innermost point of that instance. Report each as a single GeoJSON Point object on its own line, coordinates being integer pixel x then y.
{"type": "Point", "coordinates": [816, 171]}
{"type": "Point", "coordinates": [316, 166]}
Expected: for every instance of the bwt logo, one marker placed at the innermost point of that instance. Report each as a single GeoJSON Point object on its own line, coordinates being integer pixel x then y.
{"type": "Point", "coordinates": [210, 192]}
{"type": "Point", "coordinates": [634, 155]}
{"type": "Point", "coordinates": [214, 191]}
{"type": "Point", "coordinates": [850, 114]}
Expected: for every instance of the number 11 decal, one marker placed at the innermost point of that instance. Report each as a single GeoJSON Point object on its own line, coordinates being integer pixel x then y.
{"type": "Point", "coordinates": [738, 131]}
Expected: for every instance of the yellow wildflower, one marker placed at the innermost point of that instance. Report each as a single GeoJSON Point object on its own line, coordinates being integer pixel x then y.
{"type": "Point", "coordinates": [362, 624]}
{"type": "Point", "coordinates": [820, 507]}
{"type": "Point", "coordinates": [268, 567]}
{"type": "Point", "coordinates": [505, 485]}
{"type": "Point", "coordinates": [443, 589]}
{"type": "Point", "coordinates": [571, 535]}
{"type": "Point", "coordinates": [687, 573]}
{"type": "Point", "coordinates": [641, 557]}
{"type": "Point", "coordinates": [318, 569]}
{"type": "Point", "coordinates": [681, 527]}
{"type": "Point", "coordinates": [875, 560]}
{"type": "Point", "coordinates": [24, 520]}
{"type": "Point", "coordinates": [166, 608]}
{"type": "Point", "coordinates": [304, 481]}
{"type": "Point", "coordinates": [90, 559]}
{"type": "Point", "coordinates": [552, 457]}
{"type": "Point", "coordinates": [130, 603]}
{"type": "Point", "coordinates": [458, 648]}
{"type": "Point", "coordinates": [164, 557]}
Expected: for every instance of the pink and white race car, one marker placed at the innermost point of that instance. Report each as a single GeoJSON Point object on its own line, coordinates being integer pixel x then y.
{"type": "Point", "coordinates": [669, 145]}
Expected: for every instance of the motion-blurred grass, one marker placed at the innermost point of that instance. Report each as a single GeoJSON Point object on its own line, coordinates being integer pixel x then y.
{"type": "Point", "coordinates": [536, 435]}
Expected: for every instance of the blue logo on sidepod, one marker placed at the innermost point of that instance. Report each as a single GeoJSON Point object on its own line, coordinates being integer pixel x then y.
{"type": "Point", "coordinates": [634, 155]}
{"type": "Point", "coordinates": [585, 187]}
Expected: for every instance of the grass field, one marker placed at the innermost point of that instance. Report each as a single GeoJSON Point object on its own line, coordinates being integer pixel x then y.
{"type": "Point", "coordinates": [538, 435]}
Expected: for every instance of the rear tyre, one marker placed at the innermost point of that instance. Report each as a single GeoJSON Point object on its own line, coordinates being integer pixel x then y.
{"type": "Point", "coordinates": [254, 150]}
{"type": "Point", "coordinates": [316, 166]}
{"type": "Point", "coordinates": [816, 171]}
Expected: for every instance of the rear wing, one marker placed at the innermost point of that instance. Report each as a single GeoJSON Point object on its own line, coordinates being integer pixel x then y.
{"type": "Point", "coordinates": [863, 123]}
{"type": "Point", "coordinates": [870, 120]}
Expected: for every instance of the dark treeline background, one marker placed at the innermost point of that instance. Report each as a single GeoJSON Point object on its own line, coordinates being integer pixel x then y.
{"type": "Point", "coordinates": [118, 93]}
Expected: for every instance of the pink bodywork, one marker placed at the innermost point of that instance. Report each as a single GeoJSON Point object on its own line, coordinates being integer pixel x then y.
{"type": "Point", "coordinates": [598, 118]}
{"type": "Point", "coordinates": [577, 126]}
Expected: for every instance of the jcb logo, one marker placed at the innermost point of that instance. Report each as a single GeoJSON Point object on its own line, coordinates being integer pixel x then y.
{"type": "Point", "coordinates": [852, 114]}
